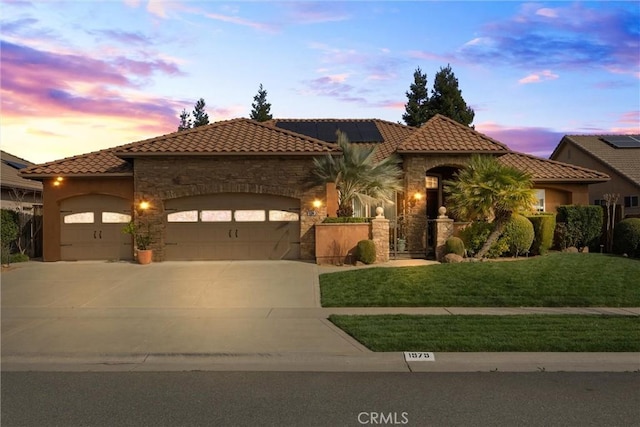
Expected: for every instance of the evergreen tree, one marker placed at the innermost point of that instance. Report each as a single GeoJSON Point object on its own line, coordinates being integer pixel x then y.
{"type": "Point", "coordinates": [446, 98]}
{"type": "Point", "coordinates": [417, 100]}
{"type": "Point", "coordinates": [261, 108]}
{"type": "Point", "coordinates": [185, 121]}
{"type": "Point", "coordinates": [200, 117]}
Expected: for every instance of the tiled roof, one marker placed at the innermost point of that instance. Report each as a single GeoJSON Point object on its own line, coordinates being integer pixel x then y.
{"type": "Point", "coordinates": [543, 170]}
{"type": "Point", "coordinates": [10, 177]}
{"type": "Point", "coordinates": [237, 136]}
{"type": "Point", "coordinates": [392, 133]}
{"type": "Point", "coordinates": [624, 160]}
{"type": "Point", "coordinates": [444, 135]}
{"type": "Point", "coordinates": [102, 162]}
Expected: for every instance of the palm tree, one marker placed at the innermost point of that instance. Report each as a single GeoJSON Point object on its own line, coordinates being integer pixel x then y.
{"type": "Point", "coordinates": [488, 190]}
{"type": "Point", "coordinates": [358, 176]}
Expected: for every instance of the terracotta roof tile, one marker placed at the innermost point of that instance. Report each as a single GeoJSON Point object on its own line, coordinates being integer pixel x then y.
{"type": "Point", "coordinates": [543, 170]}
{"type": "Point", "coordinates": [237, 136]}
{"type": "Point", "coordinates": [442, 134]}
{"type": "Point", "coordinates": [102, 162]}
{"type": "Point", "coordinates": [624, 160]}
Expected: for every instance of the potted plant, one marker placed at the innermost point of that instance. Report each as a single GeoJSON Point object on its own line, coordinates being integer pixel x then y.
{"type": "Point", "coordinates": [142, 237]}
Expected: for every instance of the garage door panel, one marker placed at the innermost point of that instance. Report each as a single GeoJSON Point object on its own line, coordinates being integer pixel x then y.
{"type": "Point", "coordinates": [253, 232]}
{"type": "Point", "coordinates": [91, 228]}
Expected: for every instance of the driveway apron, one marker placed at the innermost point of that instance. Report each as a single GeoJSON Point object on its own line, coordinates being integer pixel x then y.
{"type": "Point", "coordinates": [217, 307]}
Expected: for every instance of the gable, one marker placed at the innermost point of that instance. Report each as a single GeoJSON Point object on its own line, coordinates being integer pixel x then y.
{"type": "Point", "coordinates": [444, 135]}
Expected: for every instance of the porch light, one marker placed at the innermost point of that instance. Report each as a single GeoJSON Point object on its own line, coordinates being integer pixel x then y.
{"type": "Point", "coordinates": [58, 181]}
{"type": "Point", "coordinates": [144, 205]}
{"type": "Point", "coordinates": [415, 199]}
{"type": "Point", "coordinates": [317, 204]}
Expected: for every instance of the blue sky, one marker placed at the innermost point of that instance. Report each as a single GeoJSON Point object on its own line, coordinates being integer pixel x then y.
{"type": "Point", "coordinates": [86, 75]}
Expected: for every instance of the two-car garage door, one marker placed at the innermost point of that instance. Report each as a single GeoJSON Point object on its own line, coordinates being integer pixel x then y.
{"type": "Point", "coordinates": [232, 226]}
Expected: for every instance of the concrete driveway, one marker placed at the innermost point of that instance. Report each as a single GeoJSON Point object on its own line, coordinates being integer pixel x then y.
{"type": "Point", "coordinates": [101, 308]}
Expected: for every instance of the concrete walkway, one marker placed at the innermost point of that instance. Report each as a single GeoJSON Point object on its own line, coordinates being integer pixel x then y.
{"type": "Point", "coordinates": [221, 316]}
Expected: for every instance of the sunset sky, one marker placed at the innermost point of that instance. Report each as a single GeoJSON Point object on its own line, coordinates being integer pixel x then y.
{"type": "Point", "coordinates": [80, 76]}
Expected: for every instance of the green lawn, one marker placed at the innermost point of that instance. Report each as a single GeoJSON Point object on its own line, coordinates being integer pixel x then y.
{"type": "Point", "coordinates": [554, 280]}
{"type": "Point", "coordinates": [553, 333]}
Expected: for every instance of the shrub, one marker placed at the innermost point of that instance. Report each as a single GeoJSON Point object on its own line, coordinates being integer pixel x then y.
{"type": "Point", "coordinates": [367, 251]}
{"type": "Point", "coordinates": [474, 235]}
{"type": "Point", "coordinates": [544, 226]}
{"type": "Point", "coordinates": [518, 234]}
{"type": "Point", "coordinates": [345, 220]}
{"type": "Point", "coordinates": [454, 245]}
{"type": "Point", "coordinates": [19, 257]}
{"type": "Point", "coordinates": [8, 233]}
{"type": "Point", "coordinates": [626, 237]}
{"type": "Point", "coordinates": [583, 225]}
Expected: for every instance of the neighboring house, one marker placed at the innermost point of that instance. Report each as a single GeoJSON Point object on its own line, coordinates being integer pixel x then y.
{"type": "Point", "coordinates": [240, 189]}
{"type": "Point", "coordinates": [23, 196]}
{"type": "Point", "coordinates": [616, 155]}
{"type": "Point", "coordinates": [18, 193]}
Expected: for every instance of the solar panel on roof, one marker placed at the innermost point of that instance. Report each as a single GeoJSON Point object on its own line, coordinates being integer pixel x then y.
{"type": "Point", "coordinates": [622, 141]}
{"type": "Point", "coordinates": [356, 131]}
{"type": "Point", "coordinates": [14, 165]}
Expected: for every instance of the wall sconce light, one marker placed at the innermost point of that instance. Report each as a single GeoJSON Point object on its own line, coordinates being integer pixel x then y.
{"type": "Point", "coordinates": [144, 205]}
{"type": "Point", "coordinates": [58, 181]}
{"type": "Point", "coordinates": [415, 199]}
{"type": "Point", "coordinates": [317, 204]}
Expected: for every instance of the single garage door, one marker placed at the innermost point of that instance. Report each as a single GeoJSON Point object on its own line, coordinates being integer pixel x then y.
{"type": "Point", "coordinates": [91, 228]}
{"type": "Point", "coordinates": [227, 226]}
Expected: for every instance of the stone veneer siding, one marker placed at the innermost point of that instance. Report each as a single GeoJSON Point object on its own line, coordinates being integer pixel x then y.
{"type": "Point", "coordinates": [157, 179]}
{"type": "Point", "coordinates": [415, 170]}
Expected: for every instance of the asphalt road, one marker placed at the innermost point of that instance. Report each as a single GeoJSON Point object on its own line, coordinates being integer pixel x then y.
{"type": "Point", "coordinates": [319, 399]}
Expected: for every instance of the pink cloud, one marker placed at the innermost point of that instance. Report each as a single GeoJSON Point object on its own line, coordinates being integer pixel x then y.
{"type": "Point", "coordinates": [537, 141]}
{"type": "Point", "coordinates": [392, 105]}
{"type": "Point", "coordinates": [315, 12]}
{"type": "Point", "coordinates": [538, 77]}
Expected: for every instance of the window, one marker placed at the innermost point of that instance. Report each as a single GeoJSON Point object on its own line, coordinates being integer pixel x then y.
{"type": "Point", "coordinates": [250, 215]}
{"type": "Point", "coordinates": [630, 201]}
{"type": "Point", "coordinates": [183, 216]}
{"type": "Point", "coordinates": [431, 182]}
{"type": "Point", "coordinates": [115, 218]}
{"type": "Point", "coordinates": [283, 216]}
{"type": "Point", "coordinates": [215, 216]}
{"type": "Point", "coordinates": [600, 202]}
{"type": "Point", "coordinates": [539, 205]}
{"type": "Point", "coordinates": [79, 218]}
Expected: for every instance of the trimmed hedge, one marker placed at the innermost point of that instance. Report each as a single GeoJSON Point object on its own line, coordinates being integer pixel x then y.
{"type": "Point", "coordinates": [626, 237]}
{"type": "Point", "coordinates": [544, 226]}
{"type": "Point", "coordinates": [475, 235]}
{"type": "Point", "coordinates": [8, 233]}
{"type": "Point", "coordinates": [454, 245]}
{"type": "Point", "coordinates": [367, 251]}
{"type": "Point", "coordinates": [518, 235]}
{"type": "Point", "coordinates": [344, 220]}
{"type": "Point", "coordinates": [582, 225]}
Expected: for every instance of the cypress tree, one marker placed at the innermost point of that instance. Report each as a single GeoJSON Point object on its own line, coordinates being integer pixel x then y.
{"type": "Point", "coordinates": [261, 108]}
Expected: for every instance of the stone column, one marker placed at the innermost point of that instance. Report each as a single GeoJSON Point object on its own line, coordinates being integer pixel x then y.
{"type": "Point", "coordinates": [444, 230]}
{"type": "Point", "coordinates": [380, 236]}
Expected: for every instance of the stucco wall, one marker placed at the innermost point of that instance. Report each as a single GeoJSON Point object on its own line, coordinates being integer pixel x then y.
{"type": "Point", "coordinates": [70, 187]}
{"type": "Point", "coordinates": [160, 179]}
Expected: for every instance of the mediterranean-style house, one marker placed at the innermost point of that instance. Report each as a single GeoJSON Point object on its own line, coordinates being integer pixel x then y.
{"type": "Point", "coordinates": [616, 155]}
{"type": "Point", "coordinates": [241, 189]}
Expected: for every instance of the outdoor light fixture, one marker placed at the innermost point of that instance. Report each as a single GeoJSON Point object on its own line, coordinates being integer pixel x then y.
{"type": "Point", "coordinates": [144, 205]}
{"type": "Point", "coordinates": [58, 181]}
{"type": "Point", "coordinates": [317, 204]}
{"type": "Point", "coordinates": [416, 198]}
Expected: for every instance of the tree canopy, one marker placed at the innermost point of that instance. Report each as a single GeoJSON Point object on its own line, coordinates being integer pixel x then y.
{"type": "Point", "coordinates": [488, 190]}
{"type": "Point", "coordinates": [200, 117]}
{"type": "Point", "coordinates": [358, 176]}
{"type": "Point", "coordinates": [416, 108]}
{"type": "Point", "coordinates": [185, 121]}
{"type": "Point", "coordinates": [261, 108]}
{"type": "Point", "coordinates": [446, 99]}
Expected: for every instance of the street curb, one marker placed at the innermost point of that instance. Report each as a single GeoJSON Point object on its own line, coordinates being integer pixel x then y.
{"type": "Point", "coordinates": [325, 362]}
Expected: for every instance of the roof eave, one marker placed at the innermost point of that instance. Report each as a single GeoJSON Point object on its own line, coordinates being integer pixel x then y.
{"type": "Point", "coordinates": [570, 180]}
{"type": "Point", "coordinates": [41, 176]}
{"type": "Point", "coordinates": [231, 153]}
{"type": "Point", "coordinates": [451, 152]}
